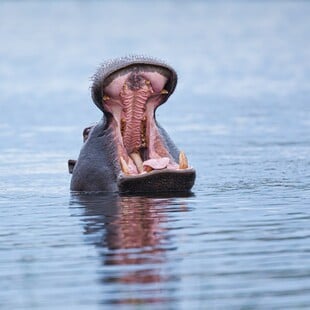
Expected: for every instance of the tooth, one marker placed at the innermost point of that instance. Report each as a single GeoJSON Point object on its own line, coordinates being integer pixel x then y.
{"type": "Point", "coordinates": [138, 161]}
{"type": "Point", "coordinates": [143, 131]}
{"type": "Point", "coordinates": [124, 165]}
{"type": "Point", "coordinates": [148, 168]}
{"type": "Point", "coordinates": [164, 92]}
{"type": "Point", "coordinates": [105, 98]}
{"type": "Point", "coordinates": [183, 163]}
{"type": "Point", "coordinates": [123, 126]}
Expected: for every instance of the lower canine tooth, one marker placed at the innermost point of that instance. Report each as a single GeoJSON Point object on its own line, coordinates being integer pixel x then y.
{"type": "Point", "coordinates": [183, 163]}
{"type": "Point", "coordinates": [124, 165]}
{"type": "Point", "coordinates": [138, 161]}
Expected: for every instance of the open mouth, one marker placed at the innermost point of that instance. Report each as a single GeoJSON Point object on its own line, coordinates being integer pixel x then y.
{"type": "Point", "coordinates": [128, 151]}
{"type": "Point", "coordinates": [130, 97]}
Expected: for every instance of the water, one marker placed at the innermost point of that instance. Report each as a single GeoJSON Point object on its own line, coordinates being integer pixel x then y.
{"type": "Point", "coordinates": [240, 112]}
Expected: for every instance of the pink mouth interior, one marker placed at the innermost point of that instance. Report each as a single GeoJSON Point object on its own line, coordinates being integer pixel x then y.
{"type": "Point", "coordinates": [132, 97]}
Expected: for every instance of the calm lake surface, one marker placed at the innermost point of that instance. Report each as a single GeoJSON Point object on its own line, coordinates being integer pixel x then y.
{"type": "Point", "coordinates": [241, 112]}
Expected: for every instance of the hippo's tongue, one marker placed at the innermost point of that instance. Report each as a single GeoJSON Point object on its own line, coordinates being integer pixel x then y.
{"type": "Point", "coordinates": [151, 164]}
{"type": "Point", "coordinates": [156, 164]}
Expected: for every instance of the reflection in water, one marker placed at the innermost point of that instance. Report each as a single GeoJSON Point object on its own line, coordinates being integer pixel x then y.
{"type": "Point", "coordinates": [130, 233]}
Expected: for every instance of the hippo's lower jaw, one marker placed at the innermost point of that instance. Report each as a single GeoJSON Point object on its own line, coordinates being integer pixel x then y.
{"type": "Point", "coordinates": [166, 180]}
{"type": "Point", "coordinates": [151, 167]}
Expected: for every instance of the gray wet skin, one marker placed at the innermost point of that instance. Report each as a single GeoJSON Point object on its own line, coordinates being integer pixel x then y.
{"type": "Point", "coordinates": [98, 167]}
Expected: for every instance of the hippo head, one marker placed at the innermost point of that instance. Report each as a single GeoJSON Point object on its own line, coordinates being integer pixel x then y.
{"type": "Point", "coordinates": [128, 151]}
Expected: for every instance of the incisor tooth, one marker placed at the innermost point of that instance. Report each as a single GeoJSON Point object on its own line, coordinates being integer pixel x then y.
{"type": "Point", "coordinates": [124, 165]}
{"type": "Point", "coordinates": [183, 163]}
{"type": "Point", "coordinates": [105, 98]}
{"type": "Point", "coordinates": [148, 168]}
{"type": "Point", "coordinates": [164, 92]}
{"type": "Point", "coordinates": [138, 161]}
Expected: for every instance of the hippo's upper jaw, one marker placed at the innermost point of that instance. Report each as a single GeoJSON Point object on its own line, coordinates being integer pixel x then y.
{"type": "Point", "coordinates": [128, 91]}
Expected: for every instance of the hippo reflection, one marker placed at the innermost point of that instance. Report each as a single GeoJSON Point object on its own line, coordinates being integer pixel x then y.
{"type": "Point", "coordinates": [133, 240]}
{"type": "Point", "coordinates": [127, 151]}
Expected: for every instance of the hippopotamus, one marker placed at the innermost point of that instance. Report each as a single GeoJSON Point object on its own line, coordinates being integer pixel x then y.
{"type": "Point", "coordinates": [127, 151]}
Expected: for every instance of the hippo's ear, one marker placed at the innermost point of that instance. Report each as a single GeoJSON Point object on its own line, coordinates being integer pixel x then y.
{"type": "Point", "coordinates": [71, 164]}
